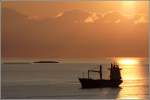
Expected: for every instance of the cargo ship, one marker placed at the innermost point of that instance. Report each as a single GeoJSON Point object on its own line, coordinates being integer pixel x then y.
{"type": "Point", "coordinates": [114, 81]}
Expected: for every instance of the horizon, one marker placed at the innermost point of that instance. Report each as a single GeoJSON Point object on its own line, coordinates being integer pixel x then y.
{"type": "Point", "coordinates": [103, 60]}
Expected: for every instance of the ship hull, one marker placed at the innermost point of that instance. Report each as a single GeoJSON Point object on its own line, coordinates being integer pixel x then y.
{"type": "Point", "coordinates": [91, 83]}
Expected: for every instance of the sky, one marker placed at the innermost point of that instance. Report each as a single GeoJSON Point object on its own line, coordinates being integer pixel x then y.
{"type": "Point", "coordinates": [74, 29]}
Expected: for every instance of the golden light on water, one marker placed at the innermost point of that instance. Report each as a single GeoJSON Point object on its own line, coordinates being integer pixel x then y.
{"type": "Point", "coordinates": [131, 68]}
{"type": "Point", "coordinates": [128, 61]}
{"type": "Point", "coordinates": [134, 75]}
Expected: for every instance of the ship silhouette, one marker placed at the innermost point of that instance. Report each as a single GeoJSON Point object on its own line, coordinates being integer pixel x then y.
{"type": "Point", "coordinates": [114, 81]}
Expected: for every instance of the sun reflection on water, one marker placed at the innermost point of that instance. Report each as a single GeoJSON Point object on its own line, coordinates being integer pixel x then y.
{"type": "Point", "coordinates": [135, 78]}
{"type": "Point", "coordinates": [132, 68]}
{"type": "Point", "coordinates": [128, 61]}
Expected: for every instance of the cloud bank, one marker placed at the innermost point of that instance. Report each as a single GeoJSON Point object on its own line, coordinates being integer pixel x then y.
{"type": "Point", "coordinates": [74, 33]}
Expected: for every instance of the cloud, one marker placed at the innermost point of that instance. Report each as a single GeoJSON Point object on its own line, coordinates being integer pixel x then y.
{"type": "Point", "coordinates": [74, 15]}
{"type": "Point", "coordinates": [137, 18]}
{"type": "Point", "coordinates": [92, 18]}
{"type": "Point", "coordinates": [112, 17]}
{"type": "Point", "coordinates": [140, 19]}
{"type": "Point", "coordinates": [117, 21]}
{"type": "Point", "coordinates": [59, 14]}
{"type": "Point", "coordinates": [34, 18]}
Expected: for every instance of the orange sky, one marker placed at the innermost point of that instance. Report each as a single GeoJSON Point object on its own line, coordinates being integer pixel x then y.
{"type": "Point", "coordinates": [75, 29]}
{"type": "Point", "coordinates": [47, 9]}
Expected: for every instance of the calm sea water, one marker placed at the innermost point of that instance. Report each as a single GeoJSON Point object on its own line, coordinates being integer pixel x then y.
{"type": "Point", "coordinates": [60, 80]}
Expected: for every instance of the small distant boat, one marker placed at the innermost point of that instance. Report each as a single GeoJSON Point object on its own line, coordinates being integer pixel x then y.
{"type": "Point", "coordinates": [114, 81]}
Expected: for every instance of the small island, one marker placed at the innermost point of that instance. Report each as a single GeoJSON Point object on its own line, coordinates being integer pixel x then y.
{"type": "Point", "coordinates": [46, 62]}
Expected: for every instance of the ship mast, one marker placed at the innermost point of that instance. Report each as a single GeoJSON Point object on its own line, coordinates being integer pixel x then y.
{"type": "Point", "coordinates": [100, 71]}
{"type": "Point", "coordinates": [97, 71]}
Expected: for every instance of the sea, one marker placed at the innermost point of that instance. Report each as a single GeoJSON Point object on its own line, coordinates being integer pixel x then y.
{"type": "Point", "coordinates": [60, 80]}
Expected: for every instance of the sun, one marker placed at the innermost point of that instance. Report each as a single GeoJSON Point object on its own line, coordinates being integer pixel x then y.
{"type": "Point", "coordinates": [128, 6]}
{"type": "Point", "coordinates": [128, 2]}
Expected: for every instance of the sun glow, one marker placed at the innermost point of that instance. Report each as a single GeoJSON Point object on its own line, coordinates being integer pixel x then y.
{"type": "Point", "coordinates": [128, 61]}
{"type": "Point", "coordinates": [128, 2]}
{"type": "Point", "coordinates": [128, 6]}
